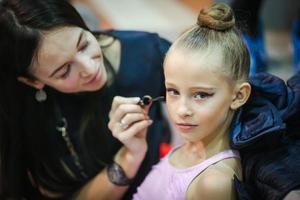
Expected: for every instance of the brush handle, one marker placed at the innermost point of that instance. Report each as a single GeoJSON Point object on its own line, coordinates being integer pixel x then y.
{"type": "Point", "coordinates": [146, 100]}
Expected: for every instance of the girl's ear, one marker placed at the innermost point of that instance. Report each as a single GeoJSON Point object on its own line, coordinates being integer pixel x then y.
{"type": "Point", "coordinates": [33, 83]}
{"type": "Point", "coordinates": [241, 95]}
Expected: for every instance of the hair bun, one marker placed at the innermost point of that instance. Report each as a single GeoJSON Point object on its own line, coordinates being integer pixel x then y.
{"type": "Point", "coordinates": [218, 16]}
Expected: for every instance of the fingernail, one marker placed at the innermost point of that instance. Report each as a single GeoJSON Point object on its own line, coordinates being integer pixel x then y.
{"type": "Point", "coordinates": [150, 121]}
{"type": "Point", "coordinates": [137, 98]}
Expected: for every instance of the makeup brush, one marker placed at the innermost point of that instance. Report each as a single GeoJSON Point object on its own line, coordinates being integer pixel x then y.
{"type": "Point", "coordinates": [146, 100]}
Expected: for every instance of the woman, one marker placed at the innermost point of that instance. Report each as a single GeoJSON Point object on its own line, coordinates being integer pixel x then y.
{"type": "Point", "coordinates": [56, 91]}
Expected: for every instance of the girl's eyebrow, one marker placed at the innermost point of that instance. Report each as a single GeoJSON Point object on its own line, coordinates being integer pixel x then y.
{"type": "Point", "coordinates": [77, 44]}
{"type": "Point", "coordinates": [203, 88]}
{"type": "Point", "coordinates": [170, 84]}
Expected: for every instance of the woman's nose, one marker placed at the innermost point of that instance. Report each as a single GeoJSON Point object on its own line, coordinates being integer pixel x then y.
{"type": "Point", "coordinates": [87, 66]}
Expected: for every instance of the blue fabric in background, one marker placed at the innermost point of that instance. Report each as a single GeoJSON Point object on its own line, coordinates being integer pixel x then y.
{"type": "Point", "coordinates": [267, 133]}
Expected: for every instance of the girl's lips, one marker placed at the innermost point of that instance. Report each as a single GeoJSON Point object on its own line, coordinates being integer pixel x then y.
{"type": "Point", "coordinates": [185, 127]}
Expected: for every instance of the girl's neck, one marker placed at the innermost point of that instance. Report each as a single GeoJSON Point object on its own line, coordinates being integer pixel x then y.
{"type": "Point", "coordinates": [214, 143]}
{"type": "Point", "coordinates": [209, 146]}
{"type": "Point", "coordinates": [192, 153]}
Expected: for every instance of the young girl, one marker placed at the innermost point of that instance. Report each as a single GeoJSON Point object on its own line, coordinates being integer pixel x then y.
{"type": "Point", "coordinates": [206, 71]}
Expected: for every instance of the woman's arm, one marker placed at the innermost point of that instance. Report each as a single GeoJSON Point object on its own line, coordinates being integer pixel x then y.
{"type": "Point", "coordinates": [129, 157]}
{"type": "Point", "coordinates": [100, 186]}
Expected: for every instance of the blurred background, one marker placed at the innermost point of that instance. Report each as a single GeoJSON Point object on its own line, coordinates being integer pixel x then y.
{"type": "Point", "coordinates": [169, 18]}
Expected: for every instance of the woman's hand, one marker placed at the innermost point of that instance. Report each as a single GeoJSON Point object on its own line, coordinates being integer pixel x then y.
{"type": "Point", "coordinates": [129, 123]}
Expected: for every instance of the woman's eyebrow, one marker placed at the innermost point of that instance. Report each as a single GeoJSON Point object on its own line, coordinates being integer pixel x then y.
{"type": "Point", "coordinates": [79, 38]}
{"type": "Point", "coordinates": [78, 42]}
{"type": "Point", "coordinates": [55, 71]}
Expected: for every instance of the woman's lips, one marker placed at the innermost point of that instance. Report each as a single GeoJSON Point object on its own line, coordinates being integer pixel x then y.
{"type": "Point", "coordinates": [96, 77]}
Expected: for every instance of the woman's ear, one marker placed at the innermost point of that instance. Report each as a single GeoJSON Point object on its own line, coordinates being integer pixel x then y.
{"type": "Point", "coordinates": [33, 83]}
{"type": "Point", "coordinates": [242, 94]}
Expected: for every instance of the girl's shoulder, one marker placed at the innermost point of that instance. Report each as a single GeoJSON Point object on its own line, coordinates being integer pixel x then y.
{"type": "Point", "coordinates": [216, 182]}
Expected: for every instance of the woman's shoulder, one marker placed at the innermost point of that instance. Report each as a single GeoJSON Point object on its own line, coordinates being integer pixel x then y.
{"type": "Point", "coordinates": [128, 34]}
{"type": "Point", "coordinates": [139, 42]}
{"type": "Point", "coordinates": [216, 182]}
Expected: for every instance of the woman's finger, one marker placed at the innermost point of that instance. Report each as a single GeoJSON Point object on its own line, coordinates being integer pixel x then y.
{"type": "Point", "coordinates": [131, 118]}
{"type": "Point", "coordinates": [122, 110]}
{"type": "Point", "coordinates": [133, 130]}
{"type": "Point", "coordinates": [118, 100]}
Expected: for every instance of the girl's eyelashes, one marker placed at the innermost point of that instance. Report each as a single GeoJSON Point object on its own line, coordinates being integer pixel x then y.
{"type": "Point", "coordinates": [202, 95]}
{"type": "Point", "coordinates": [172, 91]}
{"type": "Point", "coordinates": [197, 95]}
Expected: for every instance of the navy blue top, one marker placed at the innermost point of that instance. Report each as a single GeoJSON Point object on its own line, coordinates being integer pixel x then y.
{"type": "Point", "coordinates": [140, 73]}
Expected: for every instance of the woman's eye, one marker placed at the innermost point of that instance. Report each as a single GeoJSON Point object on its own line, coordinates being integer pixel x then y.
{"type": "Point", "coordinates": [67, 71]}
{"type": "Point", "coordinates": [202, 95]}
{"type": "Point", "coordinates": [84, 46]}
{"type": "Point", "coordinates": [172, 91]}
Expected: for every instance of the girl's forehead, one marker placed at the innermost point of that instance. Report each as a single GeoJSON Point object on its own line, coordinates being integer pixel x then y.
{"type": "Point", "coordinates": [196, 67]}
{"type": "Point", "coordinates": [212, 59]}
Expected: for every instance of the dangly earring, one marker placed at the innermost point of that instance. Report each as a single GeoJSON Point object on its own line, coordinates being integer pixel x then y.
{"type": "Point", "coordinates": [40, 95]}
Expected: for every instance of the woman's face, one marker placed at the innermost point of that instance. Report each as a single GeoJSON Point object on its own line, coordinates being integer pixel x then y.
{"type": "Point", "coordinates": [198, 95]}
{"type": "Point", "coordinates": [69, 59]}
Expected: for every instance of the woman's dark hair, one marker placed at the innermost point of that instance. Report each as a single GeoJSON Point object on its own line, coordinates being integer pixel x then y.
{"type": "Point", "coordinates": [27, 127]}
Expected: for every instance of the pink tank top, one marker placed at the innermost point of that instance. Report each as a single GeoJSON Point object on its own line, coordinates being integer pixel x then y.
{"type": "Point", "coordinates": [166, 182]}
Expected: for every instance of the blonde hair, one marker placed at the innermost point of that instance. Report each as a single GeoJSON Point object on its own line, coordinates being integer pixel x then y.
{"type": "Point", "coordinates": [215, 29]}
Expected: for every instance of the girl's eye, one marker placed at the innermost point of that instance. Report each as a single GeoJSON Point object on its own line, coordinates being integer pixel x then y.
{"type": "Point", "coordinates": [172, 91]}
{"type": "Point", "coordinates": [202, 95]}
{"type": "Point", "coordinates": [67, 71]}
{"type": "Point", "coordinates": [84, 46]}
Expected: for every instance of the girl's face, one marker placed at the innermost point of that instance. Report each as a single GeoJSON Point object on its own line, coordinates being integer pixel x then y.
{"type": "Point", "coordinates": [198, 95]}
{"type": "Point", "coordinates": [70, 60]}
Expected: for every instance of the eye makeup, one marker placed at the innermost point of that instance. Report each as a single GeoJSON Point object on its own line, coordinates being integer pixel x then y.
{"type": "Point", "coordinates": [84, 45]}
{"type": "Point", "coordinates": [147, 99]}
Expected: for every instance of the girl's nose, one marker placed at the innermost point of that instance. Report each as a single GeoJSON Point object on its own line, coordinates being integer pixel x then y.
{"type": "Point", "coordinates": [184, 109]}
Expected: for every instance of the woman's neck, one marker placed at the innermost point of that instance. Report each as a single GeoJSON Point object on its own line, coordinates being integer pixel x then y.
{"type": "Point", "coordinates": [111, 49]}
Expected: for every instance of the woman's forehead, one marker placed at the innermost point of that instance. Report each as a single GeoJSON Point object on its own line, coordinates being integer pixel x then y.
{"type": "Point", "coordinates": [57, 45]}
{"type": "Point", "coordinates": [60, 38]}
